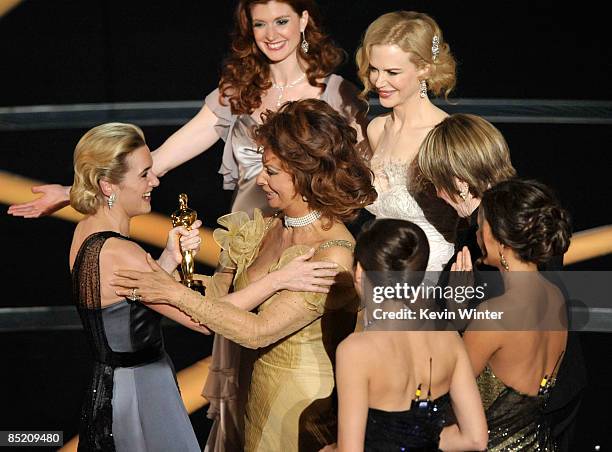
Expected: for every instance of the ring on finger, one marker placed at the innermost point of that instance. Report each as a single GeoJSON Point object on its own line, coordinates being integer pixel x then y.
{"type": "Point", "coordinates": [134, 296]}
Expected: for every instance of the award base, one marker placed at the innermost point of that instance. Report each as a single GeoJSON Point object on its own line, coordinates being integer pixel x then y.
{"type": "Point", "coordinates": [196, 285]}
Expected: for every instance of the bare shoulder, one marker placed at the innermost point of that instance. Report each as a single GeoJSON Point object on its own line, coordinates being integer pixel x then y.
{"type": "Point", "coordinates": [355, 347]}
{"type": "Point", "coordinates": [334, 247]}
{"type": "Point", "coordinates": [123, 254]}
{"type": "Point", "coordinates": [376, 128]}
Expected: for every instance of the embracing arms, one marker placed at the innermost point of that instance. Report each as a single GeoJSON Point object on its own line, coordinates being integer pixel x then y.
{"type": "Point", "coordinates": [286, 313]}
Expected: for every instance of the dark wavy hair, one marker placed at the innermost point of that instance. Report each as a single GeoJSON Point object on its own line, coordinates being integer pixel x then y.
{"type": "Point", "coordinates": [318, 147]}
{"type": "Point", "coordinates": [246, 71]}
{"type": "Point", "coordinates": [525, 215]}
{"type": "Point", "coordinates": [395, 250]}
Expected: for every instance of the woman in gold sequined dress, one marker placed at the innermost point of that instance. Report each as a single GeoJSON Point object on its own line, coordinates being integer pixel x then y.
{"type": "Point", "coordinates": [521, 225]}
{"type": "Point", "coordinates": [314, 177]}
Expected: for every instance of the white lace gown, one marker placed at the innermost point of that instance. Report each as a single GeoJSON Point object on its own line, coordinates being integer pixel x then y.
{"type": "Point", "coordinates": [395, 201]}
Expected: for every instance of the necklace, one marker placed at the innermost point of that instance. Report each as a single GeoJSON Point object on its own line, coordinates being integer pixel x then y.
{"type": "Point", "coordinates": [298, 222]}
{"type": "Point", "coordinates": [283, 87]}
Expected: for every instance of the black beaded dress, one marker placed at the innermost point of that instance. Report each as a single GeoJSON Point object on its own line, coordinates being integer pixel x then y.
{"type": "Point", "coordinates": [414, 430]}
{"type": "Point", "coordinates": [132, 401]}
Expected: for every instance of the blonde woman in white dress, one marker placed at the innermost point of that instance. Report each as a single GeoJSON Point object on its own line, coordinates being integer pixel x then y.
{"type": "Point", "coordinates": [402, 58]}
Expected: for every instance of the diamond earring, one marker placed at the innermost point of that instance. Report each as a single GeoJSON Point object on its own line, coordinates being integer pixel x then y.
{"type": "Point", "coordinates": [423, 89]}
{"type": "Point", "coordinates": [304, 45]}
{"type": "Point", "coordinates": [111, 200]}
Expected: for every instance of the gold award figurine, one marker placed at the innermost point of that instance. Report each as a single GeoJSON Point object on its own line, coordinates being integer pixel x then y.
{"type": "Point", "coordinates": [185, 217]}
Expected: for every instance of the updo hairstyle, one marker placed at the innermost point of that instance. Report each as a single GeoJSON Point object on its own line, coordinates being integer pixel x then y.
{"type": "Point", "coordinates": [397, 246]}
{"type": "Point", "coordinates": [414, 33]}
{"type": "Point", "coordinates": [101, 154]}
{"type": "Point", "coordinates": [525, 215]}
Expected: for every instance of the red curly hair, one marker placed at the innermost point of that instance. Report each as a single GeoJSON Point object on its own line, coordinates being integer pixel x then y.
{"type": "Point", "coordinates": [317, 146]}
{"type": "Point", "coordinates": [246, 71]}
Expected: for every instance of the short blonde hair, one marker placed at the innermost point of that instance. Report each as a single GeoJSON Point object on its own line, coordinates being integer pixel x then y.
{"type": "Point", "coordinates": [466, 147]}
{"type": "Point", "coordinates": [412, 32]}
{"type": "Point", "coordinates": [101, 154]}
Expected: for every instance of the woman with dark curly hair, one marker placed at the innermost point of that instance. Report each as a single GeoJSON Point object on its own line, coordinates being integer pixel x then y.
{"type": "Point", "coordinates": [314, 177]}
{"type": "Point", "coordinates": [521, 226]}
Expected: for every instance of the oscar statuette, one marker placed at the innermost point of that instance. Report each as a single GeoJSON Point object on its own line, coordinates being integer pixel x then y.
{"type": "Point", "coordinates": [185, 217]}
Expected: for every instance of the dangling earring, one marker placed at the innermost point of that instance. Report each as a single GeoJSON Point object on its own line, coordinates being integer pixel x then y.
{"type": "Point", "coordinates": [503, 261]}
{"type": "Point", "coordinates": [111, 200]}
{"type": "Point", "coordinates": [423, 89]}
{"type": "Point", "coordinates": [304, 198]}
{"type": "Point", "coordinates": [304, 45]}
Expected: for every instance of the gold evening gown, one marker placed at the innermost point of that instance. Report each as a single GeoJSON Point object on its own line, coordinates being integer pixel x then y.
{"type": "Point", "coordinates": [291, 400]}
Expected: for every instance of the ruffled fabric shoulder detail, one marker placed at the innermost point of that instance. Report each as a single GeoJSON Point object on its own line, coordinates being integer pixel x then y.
{"type": "Point", "coordinates": [222, 112]}
{"type": "Point", "coordinates": [239, 238]}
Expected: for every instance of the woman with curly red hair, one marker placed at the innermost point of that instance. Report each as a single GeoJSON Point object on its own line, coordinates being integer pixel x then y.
{"type": "Point", "coordinates": [314, 177]}
{"type": "Point", "coordinates": [278, 52]}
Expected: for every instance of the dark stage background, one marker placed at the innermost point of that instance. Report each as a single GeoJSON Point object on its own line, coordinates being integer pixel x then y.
{"type": "Point", "coordinates": [65, 52]}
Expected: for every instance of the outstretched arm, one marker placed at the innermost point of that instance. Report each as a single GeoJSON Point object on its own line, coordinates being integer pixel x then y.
{"type": "Point", "coordinates": [195, 137]}
{"type": "Point", "coordinates": [54, 197]}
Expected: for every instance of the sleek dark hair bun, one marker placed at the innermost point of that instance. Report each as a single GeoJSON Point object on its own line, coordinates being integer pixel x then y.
{"type": "Point", "coordinates": [392, 246]}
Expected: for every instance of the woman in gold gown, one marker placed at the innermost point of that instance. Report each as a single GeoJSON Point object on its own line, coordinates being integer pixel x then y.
{"type": "Point", "coordinates": [315, 178]}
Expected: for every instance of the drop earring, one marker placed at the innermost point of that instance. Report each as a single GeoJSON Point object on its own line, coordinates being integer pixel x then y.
{"type": "Point", "coordinates": [503, 261]}
{"type": "Point", "coordinates": [304, 45]}
{"type": "Point", "coordinates": [111, 200]}
{"type": "Point", "coordinates": [423, 89]}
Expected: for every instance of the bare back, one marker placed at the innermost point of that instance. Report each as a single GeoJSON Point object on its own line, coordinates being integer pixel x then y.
{"type": "Point", "coordinates": [521, 358]}
{"type": "Point", "coordinates": [405, 355]}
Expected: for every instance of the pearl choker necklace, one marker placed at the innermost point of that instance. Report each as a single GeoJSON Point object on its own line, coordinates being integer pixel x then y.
{"type": "Point", "coordinates": [298, 222]}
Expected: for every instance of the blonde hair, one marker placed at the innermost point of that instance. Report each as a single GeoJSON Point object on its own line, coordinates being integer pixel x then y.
{"type": "Point", "coordinates": [101, 154]}
{"type": "Point", "coordinates": [466, 147]}
{"type": "Point", "coordinates": [412, 32]}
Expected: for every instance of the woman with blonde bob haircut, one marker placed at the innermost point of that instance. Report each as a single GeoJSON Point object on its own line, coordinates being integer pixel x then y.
{"type": "Point", "coordinates": [403, 56]}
